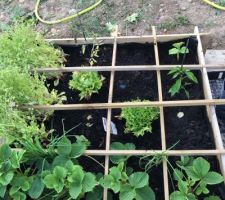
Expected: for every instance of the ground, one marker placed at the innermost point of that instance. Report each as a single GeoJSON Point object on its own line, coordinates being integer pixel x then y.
{"type": "Point", "coordinates": [170, 16]}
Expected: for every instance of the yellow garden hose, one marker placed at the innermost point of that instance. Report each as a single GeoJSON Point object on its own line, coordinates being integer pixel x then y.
{"type": "Point", "coordinates": [66, 18]}
{"type": "Point", "coordinates": [214, 5]}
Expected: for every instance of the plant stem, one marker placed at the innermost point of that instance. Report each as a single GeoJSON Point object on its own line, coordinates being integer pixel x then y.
{"type": "Point", "coordinates": [184, 57]}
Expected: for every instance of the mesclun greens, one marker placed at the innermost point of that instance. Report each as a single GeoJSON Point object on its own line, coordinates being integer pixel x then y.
{"type": "Point", "coordinates": [86, 83]}
{"type": "Point", "coordinates": [184, 77]}
{"type": "Point", "coordinates": [129, 186]}
{"type": "Point", "coordinates": [23, 48]}
{"type": "Point", "coordinates": [178, 49]}
{"type": "Point", "coordinates": [139, 120]}
{"type": "Point", "coordinates": [52, 172]}
{"type": "Point", "coordinates": [193, 176]}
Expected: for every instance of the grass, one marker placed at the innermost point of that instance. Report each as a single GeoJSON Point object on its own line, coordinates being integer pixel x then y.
{"type": "Point", "coordinates": [178, 21]}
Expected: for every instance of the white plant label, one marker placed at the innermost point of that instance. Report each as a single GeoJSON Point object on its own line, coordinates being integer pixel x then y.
{"type": "Point", "coordinates": [180, 115]}
{"type": "Point", "coordinates": [113, 126]}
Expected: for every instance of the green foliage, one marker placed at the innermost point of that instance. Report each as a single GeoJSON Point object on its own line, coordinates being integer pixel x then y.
{"type": "Point", "coordinates": [193, 176]}
{"type": "Point", "coordinates": [178, 49]}
{"type": "Point", "coordinates": [15, 124]}
{"type": "Point", "coordinates": [111, 27]}
{"type": "Point", "coordinates": [36, 170]}
{"type": "Point", "coordinates": [86, 83]}
{"type": "Point", "coordinates": [133, 18]}
{"type": "Point", "coordinates": [139, 120]}
{"type": "Point", "coordinates": [121, 146]}
{"type": "Point", "coordinates": [27, 89]}
{"type": "Point", "coordinates": [183, 77]}
{"type": "Point", "coordinates": [23, 48]}
{"type": "Point", "coordinates": [129, 187]}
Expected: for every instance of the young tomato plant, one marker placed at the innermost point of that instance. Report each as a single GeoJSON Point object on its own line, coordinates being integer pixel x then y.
{"type": "Point", "coordinates": [129, 186]}
{"type": "Point", "coordinates": [193, 176]}
{"type": "Point", "coordinates": [183, 77]}
{"type": "Point", "coordinates": [86, 83]}
{"type": "Point", "coordinates": [139, 120]}
{"type": "Point", "coordinates": [178, 49]}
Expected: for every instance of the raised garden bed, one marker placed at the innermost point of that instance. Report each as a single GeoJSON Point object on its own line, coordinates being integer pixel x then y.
{"type": "Point", "coordinates": [135, 71]}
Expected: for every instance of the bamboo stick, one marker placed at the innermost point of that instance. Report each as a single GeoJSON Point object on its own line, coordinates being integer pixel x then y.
{"type": "Point", "coordinates": [162, 122]}
{"type": "Point", "coordinates": [127, 68]}
{"type": "Point", "coordinates": [180, 103]}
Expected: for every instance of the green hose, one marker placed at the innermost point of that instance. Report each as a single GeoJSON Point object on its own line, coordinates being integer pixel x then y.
{"type": "Point", "coordinates": [66, 18]}
{"type": "Point", "coordinates": [214, 5]}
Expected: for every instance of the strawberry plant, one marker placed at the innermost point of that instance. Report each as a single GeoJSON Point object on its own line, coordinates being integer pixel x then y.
{"type": "Point", "coordinates": [178, 49]}
{"type": "Point", "coordinates": [87, 83]}
{"type": "Point", "coordinates": [139, 120]}
{"type": "Point", "coordinates": [132, 186]}
{"type": "Point", "coordinates": [192, 177]}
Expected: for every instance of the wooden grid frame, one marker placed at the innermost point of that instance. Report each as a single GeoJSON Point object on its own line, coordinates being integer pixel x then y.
{"type": "Point", "coordinates": [210, 103]}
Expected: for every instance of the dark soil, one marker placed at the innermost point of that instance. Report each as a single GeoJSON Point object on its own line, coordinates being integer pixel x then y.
{"type": "Point", "coordinates": [87, 123]}
{"type": "Point", "coordinates": [135, 54]}
{"type": "Point", "coordinates": [166, 59]}
{"type": "Point", "coordinates": [75, 57]}
{"type": "Point", "coordinates": [218, 189]}
{"type": "Point", "coordinates": [193, 131]}
{"type": "Point", "coordinates": [195, 90]}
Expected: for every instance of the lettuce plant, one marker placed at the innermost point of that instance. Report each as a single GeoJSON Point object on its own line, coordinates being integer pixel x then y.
{"type": "Point", "coordinates": [87, 83]}
{"type": "Point", "coordinates": [139, 120]}
{"type": "Point", "coordinates": [129, 187]}
{"type": "Point", "coordinates": [178, 48]}
{"type": "Point", "coordinates": [192, 177]}
{"type": "Point", "coordinates": [23, 48]}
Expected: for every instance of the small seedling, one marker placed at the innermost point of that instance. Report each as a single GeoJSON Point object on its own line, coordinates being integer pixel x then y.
{"type": "Point", "coordinates": [193, 176]}
{"type": "Point", "coordinates": [133, 18]}
{"type": "Point", "coordinates": [139, 120]}
{"type": "Point", "coordinates": [183, 77]}
{"type": "Point", "coordinates": [178, 49]}
{"type": "Point", "coordinates": [87, 83]}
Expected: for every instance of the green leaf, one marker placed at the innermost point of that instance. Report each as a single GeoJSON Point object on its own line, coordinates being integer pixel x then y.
{"type": "Point", "coordinates": [37, 188]}
{"type": "Point", "coordinates": [106, 181]}
{"type": "Point", "coordinates": [184, 50]}
{"type": "Point", "coordinates": [175, 87]}
{"type": "Point", "coordinates": [173, 51]}
{"type": "Point", "coordinates": [89, 182]}
{"type": "Point", "coordinates": [139, 179]}
{"type": "Point", "coordinates": [132, 18]}
{"type": "Point", "coordinates": [2, 191]}
{"type": "Point", "coordinates": [213, 178]}
{"type": "Point", "coordinates": [6, 178]}
{"type": "Point", "coordinates": [64, 146]}
{"type": "Point", "coordinates": [77, 150]}
{"type": "Point", "coordinates": [212, 198]}
{"type": "Point", "coordinates": [127, 193]}
{"type": "Point", "coordinates": [77, 175]}
{"type": "Point", "coordinates": [145, 193]}
{"type": "Point", "coordinates": [5, 152]}
{"type": "Point", "coordinates": [191, 76]}
{"type": "Point", "coordinates": [75, 189]}
{"type": "Point", "coordinates": [16, 158]}
{"type": "Point", "coordinates": [60, 161]}
{"type": "Point", "coordinates": [192, 173]}
{"type": "Point", "coordinates": [177, 195]}
{"type": "Point", "coordinates": [201, 167]}
{"type": "Point", "coordinates": [60, 172]}
{"type": "Point", "coordinates": [121, 146]}
{"type": "Point", "coordinates": [178, 45]}
{"type": "Point", "coordinates": [183, 186]}
{"type": "Point", "coordinates": [177, 174]}
{"type": "Point", "coordinates": [97, 194]}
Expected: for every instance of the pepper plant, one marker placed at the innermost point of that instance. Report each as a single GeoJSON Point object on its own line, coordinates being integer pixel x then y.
{"type": "Point", "coordinates": [139, 120]}
{"type": "Point", "coordinates": [87, 83]}
{"type": "Point", "coordinates": [178, 48]}
{"type": "Point", "coordinates": [193, 177]}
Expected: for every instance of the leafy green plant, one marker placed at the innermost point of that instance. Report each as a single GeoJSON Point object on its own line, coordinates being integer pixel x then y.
{"type": "Point", "coordinates": [133, 186]}
{"type": "Point", "coordinates": [27, 89]}
{"type": "Point", "coordinates": [183, 77]}
{"type": "Point", "coordinates": [86, 83]}
{"type": "Point", "coordinates": [23, 48]}
{"type": "Point", "coordinates": [139, 120]}
{"type": "Point", "coordinates": [16, 124]}
{"type": "Point", "coordinates": [193, 176]}
{"type": "Point", "coordinates": [40, 172]}
{"type": "Point", "coordinates": [133, 18]}
{"type": "Point", "coordinates": [178, 49]}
